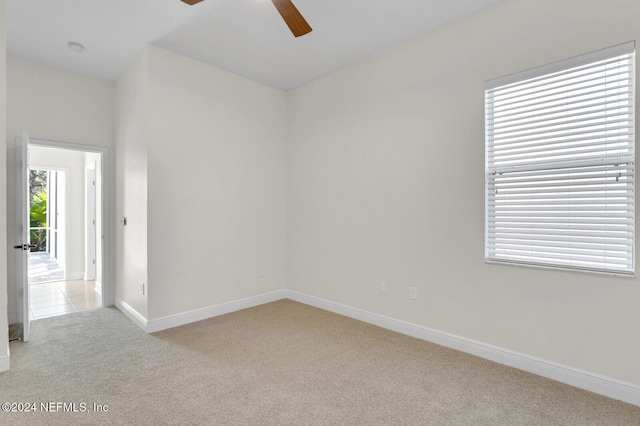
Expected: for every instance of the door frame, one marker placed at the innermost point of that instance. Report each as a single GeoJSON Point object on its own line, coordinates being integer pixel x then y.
{"type": "Point", "coordinates": [107, 290]}
{"type": "Point", "coordinates": [90, 221]}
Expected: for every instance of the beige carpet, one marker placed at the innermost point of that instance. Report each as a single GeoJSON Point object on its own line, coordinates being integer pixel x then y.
{"type": "Point", "coordinates": [283, 363]}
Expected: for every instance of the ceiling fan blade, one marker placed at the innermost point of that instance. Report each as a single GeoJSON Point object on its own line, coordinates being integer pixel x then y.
{"type": "Point", "coordinates": [293, 18]}
{"type": "Point", "coordinates": [191, 2]}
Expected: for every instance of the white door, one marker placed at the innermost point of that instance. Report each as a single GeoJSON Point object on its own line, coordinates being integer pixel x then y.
{"type": "Point", "coordinates": [23, 245]}
{"type": "Point", "coordinates": [90, 223]}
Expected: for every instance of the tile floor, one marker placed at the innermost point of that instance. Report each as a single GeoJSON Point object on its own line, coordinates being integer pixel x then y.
{"type": "Point", "coordinates": [44, 268]}
{"type": "Point", "coordinates": [62, 297]}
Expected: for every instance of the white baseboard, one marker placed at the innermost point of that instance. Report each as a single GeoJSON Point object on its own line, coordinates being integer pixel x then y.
{"type": "Point", "coordinates": [13, 318]}
{"type": "Point", "coordinates": [212, 311]}
{"type": "Point", "coordinates": [5, 363]}
{"type": "Point", "coordinates": [73, 276]}
{"type": "Point", "coordinates": [612, 388]}
{"type": "Point", "coordinates": [135, 316]}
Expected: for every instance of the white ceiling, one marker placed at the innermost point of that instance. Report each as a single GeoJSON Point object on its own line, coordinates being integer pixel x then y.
{"type": "Point", "coordinates": [246, 37]}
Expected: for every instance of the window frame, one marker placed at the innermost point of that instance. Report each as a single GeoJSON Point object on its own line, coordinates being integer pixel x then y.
{"type": "Point", "coordinates": [542, 73]}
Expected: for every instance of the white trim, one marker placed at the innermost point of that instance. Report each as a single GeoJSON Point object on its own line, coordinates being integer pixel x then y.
{"type": "Point", "coordinates": [5, 362]}
{"type": "Point", "coordinates": [212, 311]}
{"type": "Point", "coordinates": [13, 318]}
{"type": "Point", "coordinates": [602, 385]}
{"type": "Point", "coordinates": [135, 316]}
{"type": "Point", "coordinates": [612, 388]}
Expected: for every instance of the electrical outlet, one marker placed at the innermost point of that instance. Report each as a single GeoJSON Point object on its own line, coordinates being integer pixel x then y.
{"type": "Point", "coordinates": [383, 286]}
{"type": "Point", "coordinates": [413, 293]}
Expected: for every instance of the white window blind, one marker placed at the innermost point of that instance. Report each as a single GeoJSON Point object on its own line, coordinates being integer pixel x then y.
{"type": "Point", "coordinates": [560, 164]}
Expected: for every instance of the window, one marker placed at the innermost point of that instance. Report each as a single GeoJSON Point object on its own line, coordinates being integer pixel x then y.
{"type": "Point", "coordinates": [560, 172]}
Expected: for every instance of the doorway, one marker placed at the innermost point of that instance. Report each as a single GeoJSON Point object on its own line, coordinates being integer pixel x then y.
{"type": "Point", "coordinates": [67, 223]}
{"type": "Point", "coordinates": [62, 213]}
{"type": "Point", "coordinates": [82, 288]}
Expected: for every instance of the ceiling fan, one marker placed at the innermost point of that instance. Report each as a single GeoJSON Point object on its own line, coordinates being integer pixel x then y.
{"type": "Point", "coordinates": [292, 17]}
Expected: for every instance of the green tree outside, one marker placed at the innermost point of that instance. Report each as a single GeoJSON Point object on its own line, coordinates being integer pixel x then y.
{"type": "Point", "coordinates": [38, 209]}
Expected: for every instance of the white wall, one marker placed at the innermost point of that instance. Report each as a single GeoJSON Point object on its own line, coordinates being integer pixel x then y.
{"type": "Point", "coordinates": [4, 335]}
{"type": "Point", "coordinates": [55, 105]}
{"type": "Point", "coordinates": [132, 127]}
{"type": "Point", "coordinates": [217, 184]}
{"type": "Point", "coordinates": [72, 163]}
{"type": "Point", "coordinates": [386, 180]}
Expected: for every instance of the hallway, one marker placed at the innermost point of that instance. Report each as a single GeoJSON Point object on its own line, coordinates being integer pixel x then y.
{"type": "Point", "coordinates": [62, 297]}
{"type": "Point", "coordinates": [50, 295]}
